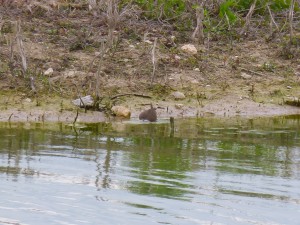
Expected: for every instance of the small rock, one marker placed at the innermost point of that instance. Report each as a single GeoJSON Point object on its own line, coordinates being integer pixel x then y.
{"type": "Point", "coordinates": [246, 76]}
{"type": "Point", "coordinates": [87, 101]}
{"type": "Point", "coordinates": [208, 114]}
{"type": "Point", "coordinates": [48, 71]}
{"type": "Point", "coordinates": [70, 74]}
{"type": "Point", "coordinates": [121, 111]}
{"type": "Point", "coordinates": [178, 106]}
{"type": "Point", "coordinates": [288, 87]}
{"type": "Point", "coordinates": [177, 57]}
{"type": "Point", "coordinates": [196, 69]}
{"type": "Point", "coordinates": [27, 100]}
{"type": "Point", "coordinates": [194, 81]}
{"type": "Point", "coordinates": [189, 48]}
{"type": "Point", "coordinates": [148, 42]}
{"type": "Point", "coordinates": [178, 95]}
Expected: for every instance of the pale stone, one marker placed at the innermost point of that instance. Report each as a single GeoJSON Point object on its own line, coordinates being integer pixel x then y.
{"type": "Point", "coordinates": [87, 101]}
{"type": "Point", "coordinates": [148, 42]}
{"type": "Point", "coordinates": [70, 74]}
{"type": "Point", "coordinates": [196, 69]}
{"type": "Point", "coordinates": [208, 113]}
{"type": "Point", "coordinates": [246, 76]}
{"type": "Point", "coordinates": [189, 48]}
{"type": "Point", "coordinates": [178, 95]}
{"type": "Point", "coordinates": [27, 100]}
{"type": "Point", "coordinates": [177, 57]}
{"type": "Point", "coordinates": [121, 111]}
{"type": "Point", "coordinates": [48, 71]}
{"type": "Point", "coordinates": [178, 106]}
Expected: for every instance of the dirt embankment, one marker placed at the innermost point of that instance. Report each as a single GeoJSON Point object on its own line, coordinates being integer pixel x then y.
{"type": "Point", "coordinates": [245, 78]}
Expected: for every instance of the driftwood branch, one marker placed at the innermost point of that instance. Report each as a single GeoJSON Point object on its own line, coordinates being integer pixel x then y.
{"type": "Point", "coordinates": [130, 94]}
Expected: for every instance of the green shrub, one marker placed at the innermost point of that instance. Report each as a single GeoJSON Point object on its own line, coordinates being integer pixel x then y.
{"type": "Point", "coordinates": [227, 12]}
{"type": "Point", "coordinates": [164, 9]}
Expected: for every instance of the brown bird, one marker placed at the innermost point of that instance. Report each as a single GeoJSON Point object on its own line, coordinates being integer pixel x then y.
{"type": "Point", "coordinates": [149, 114]}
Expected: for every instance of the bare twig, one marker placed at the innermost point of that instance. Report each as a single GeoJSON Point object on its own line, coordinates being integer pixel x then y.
{"type": "Point", "coordinates": [32, 85]}
{"type": "Point", "coordinates": [1, 22]}
{"type": "Point", "coordinates": [75, 119]}
{"type": "Point", "coordinates": [272, 18]}
{"type": "Point", "coordinates": [198, 32]}
{"type": "Point", "coordinates": [102, 53]}
{"type": "Point", "coordinates": [229, 28]}
{"type": "Point", "coordinates": [130, 94]}
{"type": "Point", "coordinates": [154, 61]}
{"type": "Point", "coordinates": [21, 47]}
{"type": "Point", "coordinates": [11, 56]}
{"type": "Point", "coordinates": [112, 19]}
{"type": "Point", "coordinates": [172, 126]}
{"type": "Point", "coordinates": [9, 118]}
{"type": "Point", "coordinates": [291, 17]}
{"type": "Point", "coordinates": [248, 18]}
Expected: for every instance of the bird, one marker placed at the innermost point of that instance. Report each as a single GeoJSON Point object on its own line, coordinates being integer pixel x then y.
{"type": "Point", "coordinates": [149, 114]}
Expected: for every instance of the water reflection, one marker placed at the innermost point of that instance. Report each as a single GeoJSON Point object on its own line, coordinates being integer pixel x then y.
{"type": "Point", "coordinates": [209, 164]}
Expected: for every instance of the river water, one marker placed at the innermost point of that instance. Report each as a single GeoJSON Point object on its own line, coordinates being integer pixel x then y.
{"type": "Point", "coordinates": [204, 171]}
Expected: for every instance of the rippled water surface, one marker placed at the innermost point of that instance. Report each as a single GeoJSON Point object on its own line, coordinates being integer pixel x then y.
{"type": "Point", "coordinates": [204, 171]}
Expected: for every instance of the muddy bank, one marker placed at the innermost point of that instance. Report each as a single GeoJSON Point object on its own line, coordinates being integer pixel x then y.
{"type": "Point", "coordinates": [228, 106]}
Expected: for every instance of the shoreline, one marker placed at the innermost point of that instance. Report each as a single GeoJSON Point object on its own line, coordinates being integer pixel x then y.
{"type": "Point", "coordinates": [226, 107]}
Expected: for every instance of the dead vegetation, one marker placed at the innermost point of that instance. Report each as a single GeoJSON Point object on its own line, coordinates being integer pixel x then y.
{"type": "Point", "coordinates": [107, 48]}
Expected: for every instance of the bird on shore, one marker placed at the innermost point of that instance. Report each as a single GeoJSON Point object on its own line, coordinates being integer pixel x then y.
{"type": "Point", "coordinates": [149, 114]}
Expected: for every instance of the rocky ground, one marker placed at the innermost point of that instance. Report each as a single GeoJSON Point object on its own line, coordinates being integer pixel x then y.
{"type": "Point", "coordinates": [71, 54]}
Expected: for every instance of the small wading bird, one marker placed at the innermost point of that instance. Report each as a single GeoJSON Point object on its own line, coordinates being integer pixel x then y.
{"type": "Point", "coordinates": [149, 114]}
